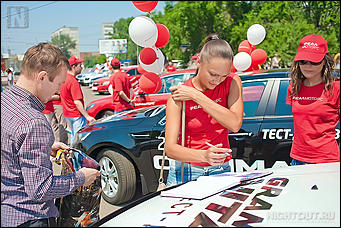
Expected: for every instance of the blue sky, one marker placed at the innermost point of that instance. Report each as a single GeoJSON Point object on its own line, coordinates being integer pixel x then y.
{"type": "Point", "coordinates": [45, 17]}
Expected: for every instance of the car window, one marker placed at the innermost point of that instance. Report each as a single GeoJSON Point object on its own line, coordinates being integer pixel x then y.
{"type": "Point", "coordinates": [283, 109]}
{"type": "Point", "coordinates": [252, 93]}
{"type": "Point", "coordinates": [133, 72]}
{"type": "Point", "coordinates": [172, 80]}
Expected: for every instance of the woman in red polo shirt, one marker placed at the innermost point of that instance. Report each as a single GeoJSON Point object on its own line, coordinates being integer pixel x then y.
{"type": "Point", "coordinates": [314, 94]}
{"type": "Point", "coordinates": [213, 105]}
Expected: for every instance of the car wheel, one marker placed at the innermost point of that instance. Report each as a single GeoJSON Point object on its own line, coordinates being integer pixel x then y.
{"type": "Point", "coordinates": [106, 114]}
{"type": "Point", "coordinates": [118, 177]}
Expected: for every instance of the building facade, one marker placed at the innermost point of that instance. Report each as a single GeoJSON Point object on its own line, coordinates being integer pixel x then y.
{"type": "Point", "coordinates": [73, 33]}
{"type": "Point", "coordinates": [107, 28]}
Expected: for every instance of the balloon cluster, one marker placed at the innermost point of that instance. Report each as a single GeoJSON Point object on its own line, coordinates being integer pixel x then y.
{"type": "Point", "coordinates": [145, 33]}
{"type": "Point", "coordinates": [248, 57]}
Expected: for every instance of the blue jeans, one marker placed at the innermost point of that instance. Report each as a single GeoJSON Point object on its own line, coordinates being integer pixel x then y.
{"type": "Point", "coordinates": [76, 124]}
{"type": "Point", "coordinates": [297, 162]}
{"type": "Point", "coordinates": [192, 172]}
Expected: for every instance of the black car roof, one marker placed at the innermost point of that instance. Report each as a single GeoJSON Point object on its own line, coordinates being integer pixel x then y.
{"type": "Point", "coordinates": [264, 75]}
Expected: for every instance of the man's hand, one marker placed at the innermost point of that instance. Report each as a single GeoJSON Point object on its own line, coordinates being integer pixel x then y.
{"type": "Point", "coordinates": [132, 103]}
{"type": "Point", "coordinates": [90, 119]}
{"type": "Point", "coordinates": [59, 145]}
{"type": "Point", "coordinates": [90, 175]}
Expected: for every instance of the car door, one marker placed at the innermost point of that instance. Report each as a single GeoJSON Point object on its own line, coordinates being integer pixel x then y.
{"type": "Point", "coordinates": [157, 147]}
{"type": "Point", "coordinates": [246, 143]}
{"type": "Point", "coordinates": [277, 129]}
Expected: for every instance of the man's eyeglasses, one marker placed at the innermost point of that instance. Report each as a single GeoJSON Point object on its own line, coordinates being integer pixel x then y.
{"type": "Point", "coordinates": [303, 62]}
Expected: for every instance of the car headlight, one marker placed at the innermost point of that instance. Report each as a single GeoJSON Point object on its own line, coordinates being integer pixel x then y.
{"type": "Point", "coordinates": [106, 83]}
{"type": "Point", "coordinates": [90, 106]}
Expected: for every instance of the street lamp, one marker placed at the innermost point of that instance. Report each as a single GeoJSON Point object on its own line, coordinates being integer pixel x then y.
{"type": "Point", "coordinates": [183, 48]}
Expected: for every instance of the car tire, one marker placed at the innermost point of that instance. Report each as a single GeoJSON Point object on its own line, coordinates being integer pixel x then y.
{"type": "Point", "coordinates": [106, 113]}
{"type": "Point", "coordinates": [118, 177]}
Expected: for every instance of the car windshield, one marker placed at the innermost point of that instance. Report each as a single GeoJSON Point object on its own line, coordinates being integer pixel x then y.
{"type": "Point", "coordinates": [173, 80]}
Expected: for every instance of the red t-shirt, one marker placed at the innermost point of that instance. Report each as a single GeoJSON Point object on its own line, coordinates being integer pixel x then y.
{"type": "Point", "coordinates": [120, 82]}
{"type": "Point", "coordinates": [69, 92]}
{"type": "Point", "coordinates": [200, 127]}
{"type": "Point", "coordinates": [57, 102]}
{"type": "Point", "coordinates": [315, 118]}
{"type": "Point", "coordinates": [48, 107]}
{"type": "Point", "coordinates": [171, 68]}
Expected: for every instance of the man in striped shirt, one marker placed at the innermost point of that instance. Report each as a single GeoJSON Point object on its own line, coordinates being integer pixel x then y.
{"type": "Point", "coordinates": [28, 187]}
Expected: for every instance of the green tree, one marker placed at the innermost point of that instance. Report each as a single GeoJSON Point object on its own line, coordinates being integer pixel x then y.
{"type": "Point", "coordinates": [285, 22]}
{"type": "Point", "coordinates": [91, 61]}
{"type": "Point", "coordinates": [191, 22]}
{"type": "Point", "coordinates": [65, 43]}
{"type": "Point", "coordinates": [325, 16]}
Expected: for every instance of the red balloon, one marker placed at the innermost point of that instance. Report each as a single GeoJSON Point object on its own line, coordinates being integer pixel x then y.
{"type": "Point", "coordinates": [253, 47]}
{"type": "Point", "coordinates": [255, 67]}
{"type": "Point", "coordinates": [150, 83]}
{"type": "Point", "coordinates": [163, 36]}
{"type": "Point", "coordinates": [252, 68]}
{"type": "Point", "coordinates": [140, 69]}
{"type": "Point", "coordinates": [145, 6]}
{"type": "Point", "coordinates": [147, 56]}
{"type": "Point", "coordinates": [244, 46]}
{"type": "Point", "coordinates": [233, 69]}
{"type": "Point", "coordinates": [258, 57]}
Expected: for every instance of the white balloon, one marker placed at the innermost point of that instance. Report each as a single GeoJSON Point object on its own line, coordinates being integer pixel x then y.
{"type": "Point", "coordinates": [256, 34]}
{"type": "Point", "coordinates": [242, 61]}
{"type": "Point", "coordinates": [157, 66]}
{"type": "Point", "coordinates": [143, 31]}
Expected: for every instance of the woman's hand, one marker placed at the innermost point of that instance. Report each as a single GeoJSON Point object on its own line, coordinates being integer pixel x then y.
{"type": "Point", "coordinates": [183, 93]}
{"type": "Point", "coordinates": [217, 156]}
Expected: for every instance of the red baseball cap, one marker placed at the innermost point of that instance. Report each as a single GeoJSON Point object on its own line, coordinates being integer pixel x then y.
{"type": "Point", "coordinates": [115, 62]}
{"type": "Point", "coordinates": [73, 60]}
{"type": "Point", "coordinates": [312, 48]}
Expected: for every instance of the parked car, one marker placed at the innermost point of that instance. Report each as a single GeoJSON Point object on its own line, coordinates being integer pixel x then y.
{"type": "Point", "coordinates": [101, 85]}
{"type": "Point", "coordinates": [103, 107]}
{"type": "Point", "coordinates": [91, 77]}
{"type": "Point", "coordinates": [129, 145]}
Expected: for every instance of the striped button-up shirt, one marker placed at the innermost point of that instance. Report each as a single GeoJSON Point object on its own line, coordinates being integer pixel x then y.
{"type": "Point", "coordinates": [28, 187]}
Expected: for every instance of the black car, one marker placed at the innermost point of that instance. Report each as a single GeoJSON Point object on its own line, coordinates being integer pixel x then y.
{"type": "Point", "coordinates": [129, 145]}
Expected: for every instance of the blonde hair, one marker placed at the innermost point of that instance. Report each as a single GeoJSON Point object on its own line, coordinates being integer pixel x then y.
{"type": "Point", "coordinates": [44, 57]}
{"type": "Point", "coordinates": [215, 47]}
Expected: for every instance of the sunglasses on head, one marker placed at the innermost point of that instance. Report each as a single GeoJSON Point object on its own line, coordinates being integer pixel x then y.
{"type": "Point", "coordinates": [303, 62]}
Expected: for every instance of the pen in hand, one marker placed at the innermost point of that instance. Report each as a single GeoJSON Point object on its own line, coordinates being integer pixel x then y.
{"type": "Point", "coordinates": [209, 144]}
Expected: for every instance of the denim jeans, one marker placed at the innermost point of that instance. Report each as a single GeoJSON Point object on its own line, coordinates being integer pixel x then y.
{"type": "Point", "coordinates": [297, 162]}
{"type": "Point", "coordinates": [76, 124]}
{"type": "Point", "coordinates": [192, 172]}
